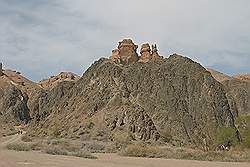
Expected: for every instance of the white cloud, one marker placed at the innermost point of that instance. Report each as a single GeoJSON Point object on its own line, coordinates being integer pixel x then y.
{"type": "Point", "coordinates": [46, 36]}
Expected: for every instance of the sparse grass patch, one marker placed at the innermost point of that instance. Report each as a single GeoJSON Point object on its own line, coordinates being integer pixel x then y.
{"type": "Point", "coordinates": [83, 154]}
{"type": "Point", "coordinates": [19, 147]}
{"type": "Point", "coordinates": [184, 153]}
{"type": "Point", "coordinates": [56, 151]}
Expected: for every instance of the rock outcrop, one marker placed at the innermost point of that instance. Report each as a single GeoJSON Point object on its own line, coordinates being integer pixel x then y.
{"type": "Point", "coordinates": [1, 69]}
{"type": "Point", "coordinates": [155, 55]}
{"type": "Point", "coordinates": [126, 53]}
{"type": "Point", "coordinates": [145, 53]}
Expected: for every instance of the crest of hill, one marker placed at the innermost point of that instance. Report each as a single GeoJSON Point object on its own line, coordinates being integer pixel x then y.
{"type": "Point", "coordinates": [15, 78]}
{"type": "Point", "coordinates": [55, 80]}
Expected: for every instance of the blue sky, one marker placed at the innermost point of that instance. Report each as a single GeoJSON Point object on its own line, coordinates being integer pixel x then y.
{"type": "Point", "coordinates": [43, 37]}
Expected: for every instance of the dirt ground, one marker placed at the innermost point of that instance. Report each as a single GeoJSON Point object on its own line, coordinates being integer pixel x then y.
{"type": "Point", "coordinates": [37, 159]}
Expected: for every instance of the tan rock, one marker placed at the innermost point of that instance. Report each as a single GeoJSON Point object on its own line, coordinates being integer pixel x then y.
{"type": "Point", "coordinates": [155, 54]}
{"type": "Point", "coordinates": [1, 69]}
{"type": "Point", "coordinates": [128, 53]}
{"type": "Point", "coordinates": [145, 53]}
{"type": "Point", "coordinates": [116, 56]}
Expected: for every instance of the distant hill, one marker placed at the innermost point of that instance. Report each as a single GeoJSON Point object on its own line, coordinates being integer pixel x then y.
{"type": "Point", "coordinates": [218, 75]}
{"type": "Point", "coordinates": [243, 77]}
{"type": "Point", "coordinates": [238, 91]}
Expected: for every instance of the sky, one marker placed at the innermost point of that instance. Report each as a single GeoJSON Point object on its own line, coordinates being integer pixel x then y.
{"type": "Point", "coordinates": [41, 38]}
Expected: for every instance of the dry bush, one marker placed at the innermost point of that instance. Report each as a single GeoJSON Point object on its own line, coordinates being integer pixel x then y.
{"type": "Point", "coordinates": [56, 151]}
{"type": "Point", "coordinates": [83, 154]}
{"type": "Point", "coordinates": [142, 151]}
{"type": "Point", "coordinates": [184, 153]}
{"type": "Point", "coordinates": [19, 147]}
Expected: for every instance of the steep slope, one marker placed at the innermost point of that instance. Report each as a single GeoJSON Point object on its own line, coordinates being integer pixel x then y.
{"type": "Point", "coordinates": [15, 78]}
{"type": "Point", "coordinates": [238, 91]}
{"type": "Point", "coordinates": [54, 80]}
{"type": "Point", "coordinates": [13, 106]}
{"type": "Point", "coordinates": [174, 99]}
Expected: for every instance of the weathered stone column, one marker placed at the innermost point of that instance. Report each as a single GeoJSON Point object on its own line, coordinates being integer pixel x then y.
{"type": "Point", "coordinates": [1, 69]}
{"type": "Point", "coordinates": [155, 54]}
{"type": "Point", "coordinates": [145, 53]}
{"type": "Point", "coordinates": [128, 52]}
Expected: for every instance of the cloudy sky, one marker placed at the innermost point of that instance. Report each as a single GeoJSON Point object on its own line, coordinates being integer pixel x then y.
{"type": "Point", "coordinates": [43, 37]}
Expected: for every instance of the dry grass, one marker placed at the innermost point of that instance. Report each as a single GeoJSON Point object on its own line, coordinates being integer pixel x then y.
{"type": "Point", "coordinates": [184, 153]}
{"type": "Point", "coordinates": [19, 147]}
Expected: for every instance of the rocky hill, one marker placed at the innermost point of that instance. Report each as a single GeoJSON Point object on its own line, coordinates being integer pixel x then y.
{"type": "Point", "coordinates": [15, 78]}
{"type": "Point", "coordinates": [145, 97]}
{"type": "Point", "coordinates": [238, 91]}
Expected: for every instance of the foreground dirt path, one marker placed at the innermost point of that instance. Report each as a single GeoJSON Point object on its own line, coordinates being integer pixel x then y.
{"type": "Point", "coordinates": [36, 159]}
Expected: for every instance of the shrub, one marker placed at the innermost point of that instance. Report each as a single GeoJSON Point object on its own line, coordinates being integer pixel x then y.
{"type": "Point", "coordinates": [142, 151]}
{"type": "Point", "coordinates": [83, 154]}
{"type": "Point", "coordinates": [19, 147]}
{"type": "Point", "coordinates": [225, 135]}
{"type": "Point", "coordinates": [243, 123]}
{"type": "Point", "coordinates": [56, 151]}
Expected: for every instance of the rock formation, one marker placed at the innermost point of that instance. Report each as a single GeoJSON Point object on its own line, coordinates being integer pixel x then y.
{"type": "Point", "coordinates": [126, 53]}
{"type": "Point", "coordinates": [145, 53]}
{"type": "Point", "coordinates": [155, 55]}
{"type": "Point", "coordinates": [1, 69]}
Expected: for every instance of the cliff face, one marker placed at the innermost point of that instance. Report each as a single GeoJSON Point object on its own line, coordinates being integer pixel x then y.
{"type": "Point", "coordinates": [13, 106]}
{"type": "Point", "coordinates": [174, 99]}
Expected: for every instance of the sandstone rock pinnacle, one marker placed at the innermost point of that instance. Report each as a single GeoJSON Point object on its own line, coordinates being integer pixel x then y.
{"type": "Point", "coordinates": [155, 54]}
{"type": "Point", "coordinates": [1, 69]}
{"type": "Point", "coordinates": [145, 53]}
{"type": "Point", "coordinates": [127, 52]}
